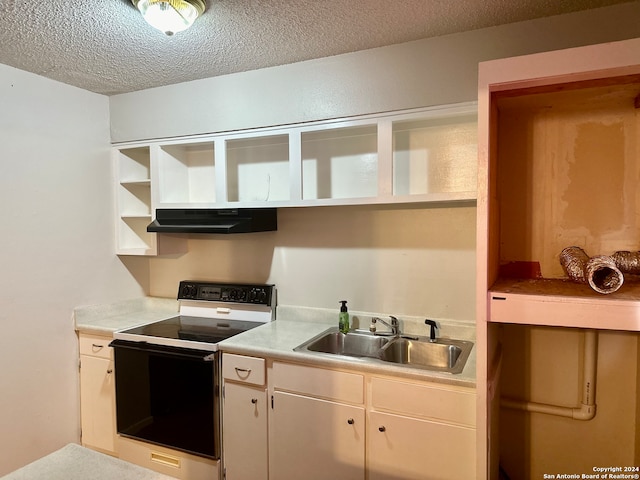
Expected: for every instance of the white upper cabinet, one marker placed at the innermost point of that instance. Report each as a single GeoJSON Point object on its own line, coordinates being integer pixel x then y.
{"type": "Point", "coordinates": [185, 174]}
{"type": "Point", "coordinates": [418, 155]}
{"type": "Point", "coordinates": [258, 169]}
{"type": "Point", "coordinates": [436, 157]}
{"type": "Point", "coordinates": [340, 163]}
{"type": "Point", "coordinates": [133, 198]}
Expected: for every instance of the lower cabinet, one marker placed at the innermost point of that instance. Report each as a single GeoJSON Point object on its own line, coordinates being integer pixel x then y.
{"type": "Point", "coordinates": [315, 439]}
{"type": "Point", "coordinates": [334, 424]}
{"type": "Point", "coordinates": [316, 423]}
{"type": "Point", "coordinates": [97, 393]}
{"type": "Point", "coordinates": [245, 440]}
{"type": "Point", "coordinates": [403, 447]}
{"type": "Point", "coordinates": [420, 430]}
{"type": "Point", "coordinates": [244, 418]}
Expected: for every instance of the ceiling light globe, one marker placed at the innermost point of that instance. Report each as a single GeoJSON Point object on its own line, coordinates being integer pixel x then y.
{"type": "Point", "coordinates": [170, 16]}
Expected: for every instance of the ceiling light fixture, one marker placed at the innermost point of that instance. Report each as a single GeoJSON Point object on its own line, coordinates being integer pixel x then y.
{"type": "Point", "coordinates": [170, 16]}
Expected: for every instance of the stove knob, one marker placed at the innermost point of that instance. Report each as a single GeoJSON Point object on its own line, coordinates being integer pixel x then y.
{"type": "Point", "coordinates": [189, 291]}
{"type": "Point", "coordinates": [253, 295]}
{"type": "Point", "coordinates": [242, 294]}
{"type": "Point", "coordinates": [263, 296]}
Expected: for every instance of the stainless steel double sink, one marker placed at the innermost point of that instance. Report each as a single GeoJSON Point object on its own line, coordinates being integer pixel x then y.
{"type": "Point", "coordinates": [443, 354]}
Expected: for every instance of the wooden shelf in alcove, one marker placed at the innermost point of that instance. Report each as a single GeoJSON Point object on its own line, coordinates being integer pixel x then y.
{"type": "Point", "coordinates": [562, 303]}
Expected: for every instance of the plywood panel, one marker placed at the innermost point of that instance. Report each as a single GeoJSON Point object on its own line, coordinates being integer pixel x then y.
{"type": "Point", "coordinates": [568, 174]}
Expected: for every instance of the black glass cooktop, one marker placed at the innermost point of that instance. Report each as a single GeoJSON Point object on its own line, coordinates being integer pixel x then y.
{"type": "Point", "coordinates": [198, 329]}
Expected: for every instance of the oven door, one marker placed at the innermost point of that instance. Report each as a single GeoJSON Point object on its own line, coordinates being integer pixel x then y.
{"type": "Point", "coordinates": [168, 396]}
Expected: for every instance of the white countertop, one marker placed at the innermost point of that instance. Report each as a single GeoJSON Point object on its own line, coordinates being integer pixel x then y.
{"type": "Point", "coordinates": [106, 319]}
{"type": "Point", "coordinates": [74, 462]}
{"type": "Point", "coordinates": [277, 339]}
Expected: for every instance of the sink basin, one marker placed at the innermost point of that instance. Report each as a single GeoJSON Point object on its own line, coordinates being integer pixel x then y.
{"type": "Point", "coordinates": [444, 354]}
{"type": "Point", "coordinates": [354, 344]}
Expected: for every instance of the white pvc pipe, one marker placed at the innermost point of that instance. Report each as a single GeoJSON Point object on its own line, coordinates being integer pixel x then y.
{"type": "Point", "coordinates": [587, 408]}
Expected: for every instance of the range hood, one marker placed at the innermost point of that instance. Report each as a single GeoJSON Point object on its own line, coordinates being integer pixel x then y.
{"type": "Point", "coordinates": [214, 220]}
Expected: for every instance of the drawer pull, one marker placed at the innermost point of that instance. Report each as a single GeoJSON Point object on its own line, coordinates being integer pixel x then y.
{"type": "Point", "coordinates": [350, 421]}
{"type": "Point", "coordinates": [254, 400]}
{"type": "Point", "coordinates": [165, 459]}
{"type": "Point", "coordinates": [243, 372]}
{"type": "Point", "coordinates": [97, 347]}
{"type": "Point", "coordinates": [382, 428]}
{"type": "Point", "coordinates": [110, 370]}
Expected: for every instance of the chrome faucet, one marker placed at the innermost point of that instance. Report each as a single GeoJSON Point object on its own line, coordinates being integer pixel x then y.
{"type": "Point", "coordinates": [394, 325]}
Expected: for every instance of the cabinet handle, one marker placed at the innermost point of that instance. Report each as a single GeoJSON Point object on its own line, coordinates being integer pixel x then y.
{"type": "Point", "coordinates": [382, 428]}
{"type": "Point", "coordinates": [254, 400]}
{"type": "Point", "coordinates": [110, 370]}
{"type": "Point", "coordinates": [245, 371]}
{"type": "Point", "coordinates": [97, 347]}
{"type": "Point", "coordinates": [350, 421]}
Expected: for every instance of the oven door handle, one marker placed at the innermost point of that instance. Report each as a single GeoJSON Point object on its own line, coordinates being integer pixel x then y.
{"type": "Point", "coordinates": [205, 356]}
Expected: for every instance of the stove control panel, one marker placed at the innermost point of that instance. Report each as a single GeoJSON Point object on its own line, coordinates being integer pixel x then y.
{"type": "Point", "coordinates": [226, 292]}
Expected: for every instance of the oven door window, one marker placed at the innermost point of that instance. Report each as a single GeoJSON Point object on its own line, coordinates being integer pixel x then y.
{"type": "Point", "coordinates": [166, 396]}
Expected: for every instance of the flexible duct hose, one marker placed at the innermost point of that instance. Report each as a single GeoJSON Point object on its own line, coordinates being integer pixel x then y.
{"type": "Point", "coordinates": [627, 262]}
{"type": "Point", "coordinates": [600, 272]}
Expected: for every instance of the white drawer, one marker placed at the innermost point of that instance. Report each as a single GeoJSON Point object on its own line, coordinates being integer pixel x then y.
{"type": "Point", "coordinates": [448, 403]}
{"type": "Point", "coordinates": [330, 384]}
{"type": "Point", "coordinates": [95, 346]}
{"type": "Point", "coordinates": [240, 368]}
{"type": "Point", "coordinates": [170, 462]}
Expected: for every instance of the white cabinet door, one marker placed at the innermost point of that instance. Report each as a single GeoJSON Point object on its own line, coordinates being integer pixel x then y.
{"type": "Point", "coordinates": [97, 403]}
{"type": "Point", "coordinates": [409, 448]}
{"type": "Point", "coordinates": [245, 433]}
{"type": "Point", "coordinates": [315, 439]}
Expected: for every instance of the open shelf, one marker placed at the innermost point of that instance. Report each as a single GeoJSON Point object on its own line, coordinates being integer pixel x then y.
{"type": "Point", "coordinates": [340, 163]}
{"type": "Point", "coordinates": [435, 155]}
{"type": "Point", "coordinates": [133, 237]}
{"type": "Point", "coordinates": [258, 169]}
{"type": "Point", "coordinates": [134, 204]}
{"type": "Point", "coordinates": [425, 155]}
{"type": "Point", "coordinates": [133, 198]}
{"type": "Point", "coordinates": [561, 302]}
{"type": "Point", "coordinates": [134, 164]}
{"type": "Point", "coordinates": [186, 174]}
{"type": "Point", "coordinates": [567, 168]}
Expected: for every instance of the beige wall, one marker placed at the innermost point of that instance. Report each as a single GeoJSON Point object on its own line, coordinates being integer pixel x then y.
{"type": "Point", "coordinates": [542, 364]}
{"type": "Point", "coordinates": [56, 253]}
{"type": "Point", "coordinates": [411, 261]}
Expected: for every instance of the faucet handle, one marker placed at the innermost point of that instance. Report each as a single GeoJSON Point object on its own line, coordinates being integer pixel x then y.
{"type": "Point", "coordinates": [394, 320]}
{"type": "Point", "coordinates": [432, 332]}
{"type": "Point", "coordinates": [372, 326]}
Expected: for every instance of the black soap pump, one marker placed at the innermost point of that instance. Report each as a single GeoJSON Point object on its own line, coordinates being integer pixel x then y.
{"type": "Point", "coordinates": [343, 318]}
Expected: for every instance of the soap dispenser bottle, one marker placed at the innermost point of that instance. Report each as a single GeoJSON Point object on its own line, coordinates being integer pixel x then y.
{"type": "Point", "coordinates": [343, 318]}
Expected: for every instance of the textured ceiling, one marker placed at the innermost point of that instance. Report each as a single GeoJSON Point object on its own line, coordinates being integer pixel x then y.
{"type": "Point", "coordinates": [105, 46]}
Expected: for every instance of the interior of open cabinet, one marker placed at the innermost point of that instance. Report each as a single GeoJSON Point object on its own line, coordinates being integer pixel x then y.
{"type": "Point", "coordinates": [133, 197]}
{"type": "Point", "coordinates": [340, 163]}
{"type": "Point", "coordinates": [567, 164]}
{"type": "Point", "coordinates": [433, 156]}
{"type": "Point", "coordinates": [258, 169]}
{"type": "Point", "coordinates": [134, 205]}
{"type": "Point", "coordinates": [186, 174]}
